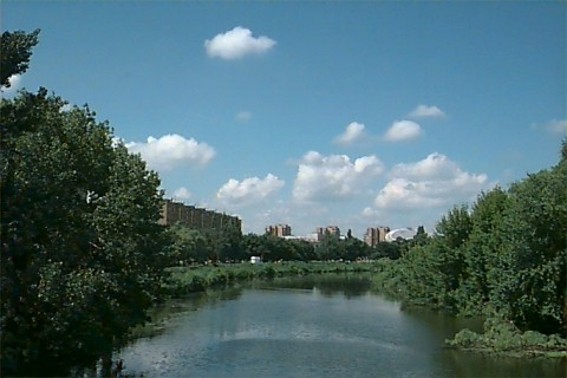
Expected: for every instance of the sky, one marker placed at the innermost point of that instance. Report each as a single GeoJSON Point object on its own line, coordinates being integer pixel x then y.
{"type": "Point", "coordinates": [355, 114]}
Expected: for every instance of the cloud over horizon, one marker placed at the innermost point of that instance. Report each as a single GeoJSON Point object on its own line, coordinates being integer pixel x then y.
{"type": "Point", "coordinates": [333, 177]}
{"type": "Point", "coordinates": [172, 150]}
{"type": "Point", "coordinates": [431, 182]}
{"type": "Point", "coordinates": [237, 43]}
{"type": "Point", "coordinates": [181, 193]}
{"type": "Point", "coordinates": [249, 190]}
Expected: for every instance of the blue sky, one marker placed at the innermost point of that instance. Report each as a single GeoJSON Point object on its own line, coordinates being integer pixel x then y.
{"type": "Point", "coordinates": [354, 114]}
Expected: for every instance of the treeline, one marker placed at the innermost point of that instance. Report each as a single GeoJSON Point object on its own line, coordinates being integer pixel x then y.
{"type": "Point", "coordinates": [191, 246]}
{"type": "Point", "coordinates": [504, 258]}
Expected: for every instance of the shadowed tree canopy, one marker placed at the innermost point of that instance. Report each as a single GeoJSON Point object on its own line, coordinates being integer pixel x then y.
{"type": "Point", "coordinates": [81, 250]}
{"type": "Point", "coordinates": [16, 51]}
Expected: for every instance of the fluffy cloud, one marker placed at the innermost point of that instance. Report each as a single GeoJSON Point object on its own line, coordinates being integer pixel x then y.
{"type": "Point", "coordinates": [354, 133]}
{"type": "Point", "coordinates": [334, 176]}
{"type": "Point", "coordinates": [424, 111]}
{"type": "Point", "coordinates": [181, 193]}
{"type": "Point", "coordinates": [432, 182]}
{"type": "Point", "coordinates": [173, 150]}
{"type": "Point", "coordinates": [403, 130]}
{"type": "Point", "coordinates": [237, 43]}
{"type": "Point", "coordinates": [249, 190]}
{"type": "Point", "coordinates": [435, 166]}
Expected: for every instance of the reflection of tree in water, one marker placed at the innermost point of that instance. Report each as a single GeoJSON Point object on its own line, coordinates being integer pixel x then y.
{"type": "Point", "coordinates": [164, 315]}
{"type": "Point", "coordinates": [348, 285]}
{"type": "Point", "coordinates": [469, 364]}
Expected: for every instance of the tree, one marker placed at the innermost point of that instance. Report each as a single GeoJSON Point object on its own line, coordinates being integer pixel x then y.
{"type": "Point", "coordinates": [81, 250]}
{"type": "Point", "coordinates": [455, 227]}
{"type": "Point", "coordinates": [529, 277]}
{"type": "Point", "coordinates": [481, 250]}
{"type": "Point", "coordinates": [15, 53]}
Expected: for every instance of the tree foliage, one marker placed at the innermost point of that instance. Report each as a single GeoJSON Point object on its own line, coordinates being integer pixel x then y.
{"type": "Point", "coordinates": [505, 257]}
{"type": "Point", "coordinates": [81, 250]}
{"type": "Point", "coordinates": [15, 53]}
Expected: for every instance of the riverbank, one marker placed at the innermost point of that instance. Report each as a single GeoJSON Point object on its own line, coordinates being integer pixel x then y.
{"type": "Point", "coordinates": [499, 337]}
{"type": "Point", "coordinates": [503, 338]}
{"type": "Point", "coordinates": [193, 279]}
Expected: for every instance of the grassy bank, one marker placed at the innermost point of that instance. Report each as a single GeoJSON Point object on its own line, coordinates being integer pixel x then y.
{"type": "Point", "coordinates": [499, 337]}
{"type": "Point", "coordinates": [192, 279]}
{"type": "Point", "coordinates": [503, 338]}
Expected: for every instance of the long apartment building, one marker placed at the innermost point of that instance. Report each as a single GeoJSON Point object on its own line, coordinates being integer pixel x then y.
{"type": "Point", "coordinates": [375, 235]}
{"type": "Point", "coordinates": [194, 217]}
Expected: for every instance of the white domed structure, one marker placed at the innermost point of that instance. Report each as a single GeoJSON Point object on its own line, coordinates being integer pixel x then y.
{"type": "Point", "coordinates": [405, 233]}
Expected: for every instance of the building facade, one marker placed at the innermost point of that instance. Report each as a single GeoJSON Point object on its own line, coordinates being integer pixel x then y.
{"type": "Point", "coordinates": [279, 230]}
{"type": "Point", "coordinates": [375, 235]}
{"type": "Point", "coordinates": [194, 217]}
{"type": "Point", "coordinates": [329, 230]}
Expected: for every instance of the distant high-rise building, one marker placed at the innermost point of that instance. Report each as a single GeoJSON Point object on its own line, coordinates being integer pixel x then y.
{"type": "Point", "coordinates": [329, 230]}
{"type": "Point", "coordinates": [375, 235]}
{"type": "Point", "coordinates": [280, 230]}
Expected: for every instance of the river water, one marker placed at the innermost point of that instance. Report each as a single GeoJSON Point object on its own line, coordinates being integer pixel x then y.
{"type": "Point", "coordinates": [312, 327]}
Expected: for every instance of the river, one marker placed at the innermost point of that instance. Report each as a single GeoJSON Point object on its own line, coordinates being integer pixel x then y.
{"type": "Point", "coordinates": [326, 326]}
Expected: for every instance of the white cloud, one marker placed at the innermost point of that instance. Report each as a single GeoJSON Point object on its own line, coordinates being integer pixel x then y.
{"type": "Point", "coordinates": [354, 133]}
{"type": "Point", "coordinates": [181, 193]}
{"type": "Point", "coordinates": [434, 166]}
{"type": "Point", "coordinates": [424, 111]}
{"type": "Point", "coordinates": [431, 182]}
{"type": "Point", "coordinates": [237, 43]}
{"type": "Point", "coordinates": [403, 130]}
{"type": "Point", "coordinates": [173, 150]}
{"type": "Point", "coordinates": [243, 116]}
{"type": "Point", "coordinates": [369, 212]}
{"type": "Point", "coordinates": [333, 177]}
{"type": "Point", "coordinates": [249, 190]}
{"type": "Point", "coordinates": [557, 126]}
{"type": "Point", "coordinates": [15, 82]}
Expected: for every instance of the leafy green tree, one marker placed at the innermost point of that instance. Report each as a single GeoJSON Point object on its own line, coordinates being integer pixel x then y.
{"type": "Point", "coordinates": [390, 250]}
{"type": "Point", "coordinates": [231, 237]}
{"type": "Point", "coordinates": [188, 246]}
{"type": "Point", "coordinates": [455, 227]}
{"type": "Point", "coordinates": [481, 250]}
{"type": "Point", "coordinates": [81, 250]}
{"type": "Point", "coordinates": [15, 53]}
{"type": "Point", "coordinates": [330, 248]}
{"type": "Point", "coordinates": [529, 277]}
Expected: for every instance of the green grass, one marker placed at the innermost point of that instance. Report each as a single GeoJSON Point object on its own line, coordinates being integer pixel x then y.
{"type": "Point", "coordinates": [186, 280]}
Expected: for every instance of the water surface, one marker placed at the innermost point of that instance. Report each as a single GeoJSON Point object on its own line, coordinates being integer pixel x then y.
{"type": "Point", "coordinates": [306, 327]}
